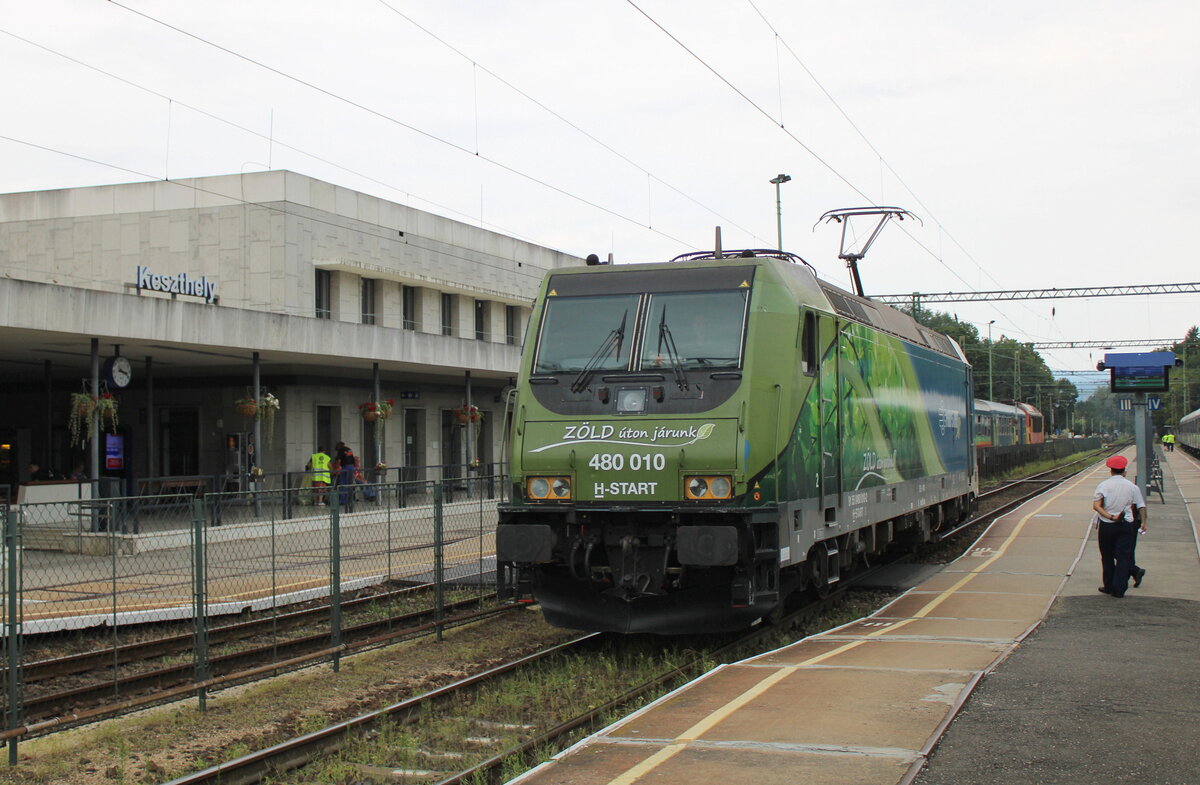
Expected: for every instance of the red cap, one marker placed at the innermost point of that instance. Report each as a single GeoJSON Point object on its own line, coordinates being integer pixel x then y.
{"type": "Point", "coordinates": [1118, 462]}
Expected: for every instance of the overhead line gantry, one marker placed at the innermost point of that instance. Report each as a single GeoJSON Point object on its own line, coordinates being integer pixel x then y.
{"type": "Point", "coordinates": [920, 298]}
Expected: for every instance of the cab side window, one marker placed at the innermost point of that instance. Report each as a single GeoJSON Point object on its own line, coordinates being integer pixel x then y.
{"type": "Point", "coordinates": [808, 344]}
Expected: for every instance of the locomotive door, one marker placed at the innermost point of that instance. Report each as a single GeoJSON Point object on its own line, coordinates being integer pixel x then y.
{"type": "Point", "coordinates": [830, 408]}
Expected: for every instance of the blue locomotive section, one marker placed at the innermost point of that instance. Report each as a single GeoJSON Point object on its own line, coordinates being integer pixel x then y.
{"type": "Point", "coordinates": [943, 386]}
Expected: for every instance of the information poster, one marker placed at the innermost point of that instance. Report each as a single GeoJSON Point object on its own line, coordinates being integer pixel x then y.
{"type": "Point", "coordinates": [114, 452]}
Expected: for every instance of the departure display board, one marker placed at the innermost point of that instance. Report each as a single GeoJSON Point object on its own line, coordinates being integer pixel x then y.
{"type": "Point", "coordinates": [1139, 378]}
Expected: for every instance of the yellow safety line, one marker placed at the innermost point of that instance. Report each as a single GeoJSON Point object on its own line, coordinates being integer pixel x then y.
{"type": "Point", "coordinates": [681, 741]}
{"type": "Point", "coordinates": [970, 576]}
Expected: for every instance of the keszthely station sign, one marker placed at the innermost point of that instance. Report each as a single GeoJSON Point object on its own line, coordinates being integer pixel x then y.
{"type": "Point", "coordinates": [176, 284]}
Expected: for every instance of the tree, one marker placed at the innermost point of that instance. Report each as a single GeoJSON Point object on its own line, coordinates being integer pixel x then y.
{"type": "Point", "coordinates": [1006, 370]}
{"type": "Point", "coordinates": [1183, 395]}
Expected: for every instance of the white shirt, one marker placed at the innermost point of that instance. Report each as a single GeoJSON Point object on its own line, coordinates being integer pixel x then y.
{"type": "Point", "coordinates": [1118, 494]}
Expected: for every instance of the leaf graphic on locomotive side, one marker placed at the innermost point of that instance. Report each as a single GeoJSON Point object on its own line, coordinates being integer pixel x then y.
{"type": "Point", "coordinates": [705, 430]}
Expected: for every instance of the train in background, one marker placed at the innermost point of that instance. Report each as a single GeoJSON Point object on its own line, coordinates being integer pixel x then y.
{"type": "Point", "coordinates": [1187, 433]}
{"type": "Point", "coordinates": [1003, 425]}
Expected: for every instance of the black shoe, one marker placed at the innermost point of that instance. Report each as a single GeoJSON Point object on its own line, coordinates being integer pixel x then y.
{"type": "Point", "coordinates": [1103, 590]}
{"type": "Point", "coordinates": [1138, 574]}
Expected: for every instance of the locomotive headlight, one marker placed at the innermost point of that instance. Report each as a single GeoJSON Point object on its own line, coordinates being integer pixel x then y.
{"type": "Point", "coordinates": [709, 488]}
{"type": "Point", "coordinates": [548, 488]}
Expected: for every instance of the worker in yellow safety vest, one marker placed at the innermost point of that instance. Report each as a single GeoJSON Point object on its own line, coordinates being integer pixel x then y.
{"type": "Point", "coordinates": [318, 466]}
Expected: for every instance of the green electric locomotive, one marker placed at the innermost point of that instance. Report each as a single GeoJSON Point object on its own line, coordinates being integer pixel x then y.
{"type": "Point", "coordinates": [694, 440]}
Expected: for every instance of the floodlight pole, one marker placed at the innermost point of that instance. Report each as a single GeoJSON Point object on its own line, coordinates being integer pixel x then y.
{"type": "Point", "coordinates": [779, 180]}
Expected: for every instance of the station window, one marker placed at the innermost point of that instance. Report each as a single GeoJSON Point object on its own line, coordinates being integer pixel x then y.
{"type": "Point", "coordinates": [481, 320]}
{"type": "Point", "coordinates": [447, 314]}
{"type": "Point", "coordinates": [369, 290]}
{"type": "Point", "coordinates": [323, 287]}
{"type": "Point", "coordinates": [408, 297]}
{"type": "Point", "coordinates": [512, 319]}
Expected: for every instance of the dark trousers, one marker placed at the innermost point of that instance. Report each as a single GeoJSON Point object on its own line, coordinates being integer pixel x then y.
{"type": "Point", "coordinates": [346, 486]}
{"type": "Point", "coordinates": [1117, 540]}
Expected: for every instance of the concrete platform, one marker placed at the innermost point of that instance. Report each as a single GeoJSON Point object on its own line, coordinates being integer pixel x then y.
{"type": "Point", "coordinates": [867, 702]}
{"type": "Point", "coordinates": [251, 565]}
{"type": "Point", "coordinates": [1105, 690]}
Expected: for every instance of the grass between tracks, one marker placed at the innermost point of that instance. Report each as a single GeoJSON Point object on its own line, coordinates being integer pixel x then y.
{"type": "Point", "coordinates": [505, 712]}
{"type": "Point", "coordinates": [160, 744]}
{"type": "Point", "coordinates": [1036, 467]}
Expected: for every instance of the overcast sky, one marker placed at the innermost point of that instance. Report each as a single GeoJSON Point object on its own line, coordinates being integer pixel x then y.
{"type": "Point", "coordinates": [1041, 144]}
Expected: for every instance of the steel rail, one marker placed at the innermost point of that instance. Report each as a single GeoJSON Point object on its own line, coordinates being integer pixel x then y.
{"type": "Point", "coordinates": [296, 752]}
{"type": "Point", "coordinates": [128, 653]}
{"type": "Point", "coordinates": [48, 712]}
{"type": "Point", "coordinates": [488, 768]}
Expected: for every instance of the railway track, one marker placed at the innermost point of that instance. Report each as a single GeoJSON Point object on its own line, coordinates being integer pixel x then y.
{"type": "Point", "coordinates": [51, 708]}
{"type": "Point", "coordinates": [499, 741]}
{"type": "Point", "coordinates": [170, 645]}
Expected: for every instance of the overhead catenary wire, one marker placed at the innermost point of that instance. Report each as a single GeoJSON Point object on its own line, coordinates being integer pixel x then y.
{"type": "Point", "coordinates": [779, 124]}
{"type": "Point", "coordinates": [401, 123]}
{"type": "Point", "coordinates": [269, 137]}
{"type": "Point", "coordinates": [407, 240]}
{"type": "Point", "coordinates": [882, 161]}
{"type": "Point", "coordinates": [560, 117]}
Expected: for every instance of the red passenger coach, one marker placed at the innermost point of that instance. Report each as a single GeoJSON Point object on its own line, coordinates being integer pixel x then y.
{"type": "Point", "coordinates": [1035, 424]}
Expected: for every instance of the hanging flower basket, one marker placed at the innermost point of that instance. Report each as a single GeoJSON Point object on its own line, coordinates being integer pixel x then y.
{"type": "Point", "coordinates": [106, 412]}
{"type": "Point", "coordinates": [89, 410]}
{"type": "Point", "coordinates": [264, 408]}
{"type": "Point", "coordinates": [83, 406]}
{"type": "Point", "coordinates": [467, 413]}
{"type": "Point", "coordinates": [268, 406]}
{"type": "Point", "coordinates": [376, 410]}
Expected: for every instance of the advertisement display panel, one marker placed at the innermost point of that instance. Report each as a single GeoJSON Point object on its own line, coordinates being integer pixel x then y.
{"type": "Point", "coordinates": [114, 452]}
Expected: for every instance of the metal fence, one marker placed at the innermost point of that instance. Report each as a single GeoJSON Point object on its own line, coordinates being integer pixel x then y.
{"type": "Point", "coordinates": [244, 580]}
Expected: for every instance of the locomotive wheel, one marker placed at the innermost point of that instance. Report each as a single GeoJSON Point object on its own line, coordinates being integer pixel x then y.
{"type": "Point", "coordinates": [817, 569]}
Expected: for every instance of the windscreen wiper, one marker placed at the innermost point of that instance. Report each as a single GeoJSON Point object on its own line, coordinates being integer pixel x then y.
{"type": "Point", "coordinates": [664, 336]}
{"type": "Point", "coordinates": [614, 340]}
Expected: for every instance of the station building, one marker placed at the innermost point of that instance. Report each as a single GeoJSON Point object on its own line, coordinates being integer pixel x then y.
{"type": "Point", "coordinates": [329, 298]}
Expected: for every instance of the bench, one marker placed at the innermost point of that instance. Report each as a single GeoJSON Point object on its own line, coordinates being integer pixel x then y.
{"type": "Point", "coordinates": [174, 494]}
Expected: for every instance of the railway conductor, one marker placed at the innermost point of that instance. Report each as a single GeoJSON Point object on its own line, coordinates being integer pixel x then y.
{"type": "Point", "coordinates": [1114, 503]}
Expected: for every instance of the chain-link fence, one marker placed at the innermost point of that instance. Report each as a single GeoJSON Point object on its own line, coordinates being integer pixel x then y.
{"type": "Point", "coordinates": [146, 598]}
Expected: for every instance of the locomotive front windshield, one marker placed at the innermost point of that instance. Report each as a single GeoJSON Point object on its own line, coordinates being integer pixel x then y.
{"type": "Point", "coordinates": [693, 330]}
{"type": "Point", "coordinates": [705, 328]}
{"type": "Point", "coordinates": [575, 328]}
